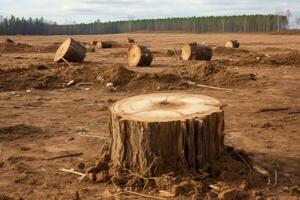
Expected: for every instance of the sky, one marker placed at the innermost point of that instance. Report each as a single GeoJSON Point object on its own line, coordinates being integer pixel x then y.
{"type": "Point", "coordinates": [69, 11]}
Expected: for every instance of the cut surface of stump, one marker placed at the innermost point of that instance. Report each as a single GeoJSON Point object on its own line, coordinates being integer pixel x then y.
{"type": "Point", "coordinates": [139, 56]}
{"type": "Point", "coordinates": [70, 50]}
{"type": "Point", "coordinates": [194, 51]}
{"type": "Point", "coordinates": [104, 44]}
{"type": "Point", "coordinates": [232, 44]}
{"type": "Point", "coordinates": [182, 131]}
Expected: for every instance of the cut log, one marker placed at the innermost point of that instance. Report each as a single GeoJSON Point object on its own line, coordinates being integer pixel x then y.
{"type": "Point", "coordinates": [182, 131]}
{"type": "Point", "coordinates": [194, 51]}
{"type": "Point", "coordinates": [130, 40]}
{"type": "Point", "coordinates": [139, 56]}
{"type": "Point", "coordinates": [232, 44]}
{"type": "Point", "coordinates": [104, 44]}
{"type": "Point", "coordinates": [70, 50]}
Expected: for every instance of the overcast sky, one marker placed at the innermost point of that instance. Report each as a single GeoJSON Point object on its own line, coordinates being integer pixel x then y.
{"type": "Point", "coordinates": [66, 11]}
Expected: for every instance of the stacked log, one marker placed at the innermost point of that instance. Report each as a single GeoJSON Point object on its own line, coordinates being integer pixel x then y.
{"type": "Point", "coordinates": [194, 51]}
{"type": "Point", "coordinates": [139, 56]}
{"type": "Point", "coordinates": [70, 50]}
{"type": "Point", "coordinates": [182, 131]}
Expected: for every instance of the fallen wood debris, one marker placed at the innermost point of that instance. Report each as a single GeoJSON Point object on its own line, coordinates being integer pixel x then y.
{"type": "Point", "coordinates": [273, 109]}
{"type": "Point", "coordinates": [206, 86]}
{"type": "Point", "coordinates": [65, 156]}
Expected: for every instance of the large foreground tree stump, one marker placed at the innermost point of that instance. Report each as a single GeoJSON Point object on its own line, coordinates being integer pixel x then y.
{"type": "Point", "coordinates": [139, 56]}
{"type": "Point", "coordinates": [71, 51]}
{"type": "Point", "coordinates": [194, 51]}
{"type": "Point", "coordinates": [183, 131]}
{"type": "Point", "coordinates": [232, 44]}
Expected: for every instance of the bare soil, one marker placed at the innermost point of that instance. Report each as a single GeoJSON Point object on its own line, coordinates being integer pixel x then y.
{"type": "Point", "coordinates": [50, 109]}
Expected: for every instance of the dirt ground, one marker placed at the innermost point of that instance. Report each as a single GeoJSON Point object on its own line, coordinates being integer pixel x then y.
{"type": "Point", "coordinates": [44, 115]}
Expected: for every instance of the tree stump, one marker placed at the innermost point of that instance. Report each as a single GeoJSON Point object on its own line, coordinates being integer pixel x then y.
{"type": "Point", "coordinates": [93, 42]}
{"type": "Point", "coordinates": [182, 131]}
{"type": "Point", "coordinates": [193, 51]}
{"type": "Point", "coordinates": [104, 44]}
{"type": "Point", "coordinates": [139, 56]}
{"type": "Point", "coordinates": [71, 51]}
{"type": "Point", "coordinates": [232, 44]}
{"type": "Point", "coordinates": [130, 40]}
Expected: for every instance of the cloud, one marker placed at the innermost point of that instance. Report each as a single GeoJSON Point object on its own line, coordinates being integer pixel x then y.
{"type": "Point", "coordinates": [105, 10]}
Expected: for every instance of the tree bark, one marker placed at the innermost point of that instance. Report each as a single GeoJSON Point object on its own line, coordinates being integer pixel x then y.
{"type": "Point", "coordinates": [139, 56]}
{"type": "Point", "coordinates": [183, 131]}
{"type": "Point", "coordinates": [71, 51]}
{"type": "Point", "coordinates": [193, 51]}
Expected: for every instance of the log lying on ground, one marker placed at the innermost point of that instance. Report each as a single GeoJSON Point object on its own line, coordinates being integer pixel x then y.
{"type": "Point", "coordinates": [194, 51]}
{"type": "Point", "coordinates": [182, 131]}
{"type": "Point", "coordinates": [70, 50]}
{"type": "Point", "coordinates": [104, 44]}
{"type": "Point", "coordinates": [232, 44]}
{"type": "Point", "coordinates": [8, 40]}
{"type": "Point", "coordinates": [130, 40]}
{"type": "Point", "coordinates": [139, 56]}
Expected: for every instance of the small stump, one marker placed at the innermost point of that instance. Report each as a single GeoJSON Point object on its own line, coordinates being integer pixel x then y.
{"type": "Point", "coordinates": [71, 51]}
{"type": "Point", "coordinates": [139, 56]}
{"type": "Point", "coordinates": [182, 131]}
{"type": "Point", "coordinates": [232, 44]}
{"type": "Point", "coordinates": [130, 40]}
{"type": "Point", "coordinates": [194, 51]}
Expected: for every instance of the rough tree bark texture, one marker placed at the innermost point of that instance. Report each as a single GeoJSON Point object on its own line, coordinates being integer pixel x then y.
{"type": "Point", "coordinates": [70, 50]}
{"type": "Point", "coordinates": [139, 56]}
{"type": "Point", "coordinates": [184, 131]}
{"type": "Point", "coordinates": [193, 51]}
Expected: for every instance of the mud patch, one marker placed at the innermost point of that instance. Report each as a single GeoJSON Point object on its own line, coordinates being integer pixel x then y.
{"type": "Point", "coordinates": [19, 131]}
{"type": "Point", "coordinates": [224, 51]}
{"type": "Point", "coordinates": [212, 73]}
{"type": "Point", "coordinates": [12, 47]}
{"type": "Point", "coordinates": [291, 58]}
{"type": "Point", "coordinates": [55, 76]}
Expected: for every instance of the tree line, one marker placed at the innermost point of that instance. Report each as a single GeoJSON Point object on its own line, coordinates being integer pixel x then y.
{"type": "Point", "coordinates": [217, 24]}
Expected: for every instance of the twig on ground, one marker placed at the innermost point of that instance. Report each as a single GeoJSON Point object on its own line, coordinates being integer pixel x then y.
{"type": "Point", "coordinates": [72, 171]}
{"type": "Point", "coordinates": [83, 83]}
{"type": "Point", "coordinates": [243, 160]}
{"type": "Point", "coordinates": [143, 195]}
{"type": "Point", "coordinates": [93, 136]}
{"type": "Point", "coordinates": [65, 156]}
{"type": "Point", "coordinates": [275, 177]}
{"type": "Point", "coordinates": [264, 172]}
{"type": "Point", "coordinates": [67, 62]}
{"type": "Point", "coordinates": [272, 109]}
{"type": "Point", "coordinates": [206, 86]}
